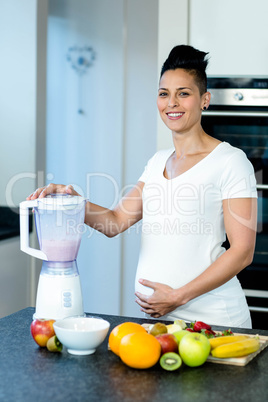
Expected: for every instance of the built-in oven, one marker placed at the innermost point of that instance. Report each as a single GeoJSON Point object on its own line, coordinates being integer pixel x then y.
{"type": "Point", "coordinates": [238, 114]}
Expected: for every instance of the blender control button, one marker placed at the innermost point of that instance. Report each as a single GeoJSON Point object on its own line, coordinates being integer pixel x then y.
{"type": "Point", "coordinates": [66, 294]}
{"type": "Point", "coordinates": [67, 304]}
{"type": "Point", "coordinates": [67, 299]}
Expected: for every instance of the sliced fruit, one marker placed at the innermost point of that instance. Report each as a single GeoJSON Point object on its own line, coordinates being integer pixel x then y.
{"type": "Point", "coordinates": [171, 328]}
{"type": "Point", "coordinates": [182, 323]}
{"type": "Point", "coordinates": [170, 361]}
{"type": "Point", "coordinates": [54, 345]}
{"type": "Point", "coordinates": [236, 349]}
{"type": "Point", "coordinates": [222, 340]}
{"type": "Point", "coordinates": [158, 329]}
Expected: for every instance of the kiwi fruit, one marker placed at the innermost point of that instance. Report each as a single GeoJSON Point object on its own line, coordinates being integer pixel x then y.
{"type": "Point", "coordinates": [54, 345]}
{"type": "Point", "coordinates": [158, 329]}
{"type": "Point", "coordinates": [170, 361]}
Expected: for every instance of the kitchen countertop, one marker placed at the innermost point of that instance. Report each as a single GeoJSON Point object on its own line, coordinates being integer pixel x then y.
{"type": "Point", "coordinates": [29, 373]}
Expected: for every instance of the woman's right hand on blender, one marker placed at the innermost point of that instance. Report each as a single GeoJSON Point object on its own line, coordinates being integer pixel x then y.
{"type": "Point", "coordinates": [51, 188]}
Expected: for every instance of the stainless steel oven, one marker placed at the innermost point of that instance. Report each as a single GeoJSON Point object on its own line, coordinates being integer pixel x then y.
{"type": "Point", "coordinates": [238, 114]}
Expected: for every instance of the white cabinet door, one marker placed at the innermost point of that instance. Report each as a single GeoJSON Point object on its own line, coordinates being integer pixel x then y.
{"type": "Point", "coordinates": [233, 32]}
{"type": "Point", "coordinates": [15, 287]}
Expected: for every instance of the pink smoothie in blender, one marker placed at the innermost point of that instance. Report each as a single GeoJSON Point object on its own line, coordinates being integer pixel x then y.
{"type": "Point", "coordinates": [58, 229]}
{"type": "Point", "coordinates": [61, 250]}
{"type": "Point", "coordinates": [59, 219]}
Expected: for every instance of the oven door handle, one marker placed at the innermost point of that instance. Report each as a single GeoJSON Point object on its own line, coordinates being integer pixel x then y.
{"type": "Point", "coordinates": [234, 114]}
{"type": "Point", "coordinates": [258, 309]}
{"type": "Point", "coordinates": [256, 293]}
{"type": "Point", "coordinates": [262, 186]}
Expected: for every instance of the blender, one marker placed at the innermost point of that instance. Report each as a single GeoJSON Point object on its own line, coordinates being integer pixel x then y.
{"type": "Point", "coordinates": [59, 221]}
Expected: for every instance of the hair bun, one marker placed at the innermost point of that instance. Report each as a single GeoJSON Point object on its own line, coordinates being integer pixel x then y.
{"type": "Point", "coordinates": [187, 57]}
{"type": "Point", "coordinates": [191, 59]}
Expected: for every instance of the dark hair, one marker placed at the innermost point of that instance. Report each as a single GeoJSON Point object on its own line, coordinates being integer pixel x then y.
{"type": "Point", "coordinates": [190, 59]}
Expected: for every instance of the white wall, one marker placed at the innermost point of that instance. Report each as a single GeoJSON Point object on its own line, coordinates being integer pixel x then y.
{"type": "Point", "coordinates": [140, 124]}
{"type": "Point", "coordinates": [20, 81]}
{"type": "Point", "coordinates": [114, 137]}
{"type": "Point", "coordinates": [22, 134]}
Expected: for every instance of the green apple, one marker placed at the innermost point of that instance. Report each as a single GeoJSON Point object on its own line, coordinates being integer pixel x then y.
{"type": "Point", "coordinates": [194, 349]}
{"type": "Point", "coordinates": [180, 334]}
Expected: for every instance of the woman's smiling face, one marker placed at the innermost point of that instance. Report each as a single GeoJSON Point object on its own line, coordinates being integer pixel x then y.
{"type": "Point", "coordinates": [179, 101]}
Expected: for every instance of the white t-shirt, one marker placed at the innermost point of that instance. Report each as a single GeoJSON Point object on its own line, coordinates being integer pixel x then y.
{"type": "Point", "coordinates": [183, 230]}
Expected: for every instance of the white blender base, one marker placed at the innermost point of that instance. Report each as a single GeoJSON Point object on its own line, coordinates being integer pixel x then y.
{"type": "Point", "coordinates": [58, 297]}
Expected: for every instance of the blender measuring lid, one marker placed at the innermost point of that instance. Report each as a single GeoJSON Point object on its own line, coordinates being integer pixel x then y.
{"type": "Point", "coordinates": [60, 201]}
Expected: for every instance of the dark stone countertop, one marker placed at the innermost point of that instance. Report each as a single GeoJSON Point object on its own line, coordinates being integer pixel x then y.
{"type": "Point", "coordinates": [29, 373]}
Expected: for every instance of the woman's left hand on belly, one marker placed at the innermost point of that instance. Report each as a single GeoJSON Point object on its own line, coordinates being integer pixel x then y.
{"type": "Point", "coordinates": [161, 302]}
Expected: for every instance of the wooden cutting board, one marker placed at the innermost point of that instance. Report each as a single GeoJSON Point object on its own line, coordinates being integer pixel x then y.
{"type": "Point", "coordinates": [241, 361]}
{"type": "Point", "coordinates": [235, 361]}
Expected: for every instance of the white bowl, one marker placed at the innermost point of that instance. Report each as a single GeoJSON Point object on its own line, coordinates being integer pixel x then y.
{"type": "Point", "coordinates": [81, 335]}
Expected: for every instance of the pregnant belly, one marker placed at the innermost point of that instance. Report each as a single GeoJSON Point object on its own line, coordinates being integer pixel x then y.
{"type": "Point", "coordinates": [145, 290]}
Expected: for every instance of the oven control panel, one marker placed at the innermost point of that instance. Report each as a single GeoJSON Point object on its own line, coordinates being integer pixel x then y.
{"type": "Point", "coordinates": [243, 97]}
{"type": "Point", "coordinates": [240, 91]}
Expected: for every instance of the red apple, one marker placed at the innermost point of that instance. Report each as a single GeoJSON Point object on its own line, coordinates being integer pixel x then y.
{"type": "Point", "coordinates": [42, 330]}
{"type": "Point", "coordinates": [168, 343]}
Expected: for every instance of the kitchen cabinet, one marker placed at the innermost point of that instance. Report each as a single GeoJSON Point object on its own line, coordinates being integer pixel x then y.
{"type": "Point", "coordinates": [30, 373]}
{"type": "Point", "coordinates": [15, 275]}
{"type": "Point", "coordinates": [234, 33]}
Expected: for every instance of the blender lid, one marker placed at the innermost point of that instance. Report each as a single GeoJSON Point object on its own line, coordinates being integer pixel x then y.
{"type": "Point", "coordinates": [60, 201]}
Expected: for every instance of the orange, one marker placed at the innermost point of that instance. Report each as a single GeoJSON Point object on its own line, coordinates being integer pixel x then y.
{"type": "Point", "coordinates": [120, 331]}
{"type": "Point", "coordinates": [139, 350]}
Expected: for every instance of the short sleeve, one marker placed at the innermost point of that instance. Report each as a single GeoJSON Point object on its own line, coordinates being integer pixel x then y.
{"type": "Point", "coordinates": [156, 164]}
{"type": "Point", "coordinates": [238, 178]}
{"type": "Point", "coordinates": [147, 169]}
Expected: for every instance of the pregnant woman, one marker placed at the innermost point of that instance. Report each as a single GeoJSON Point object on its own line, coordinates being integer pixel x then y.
{"type": "Point", "coordinates": [189, 198]}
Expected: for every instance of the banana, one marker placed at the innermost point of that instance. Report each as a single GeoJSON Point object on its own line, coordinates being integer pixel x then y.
{"type": "Point", "coordinates": [222, 340]}
{"type": "Point", "coordinates": [236, 349]}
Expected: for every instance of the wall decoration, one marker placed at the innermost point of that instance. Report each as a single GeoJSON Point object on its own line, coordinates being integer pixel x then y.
{"type": "Point", "coordinates": [80, 59]}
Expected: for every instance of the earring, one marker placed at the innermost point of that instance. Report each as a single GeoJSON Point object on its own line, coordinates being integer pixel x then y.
{"type": "Point", "coordinates": [204, 108]}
